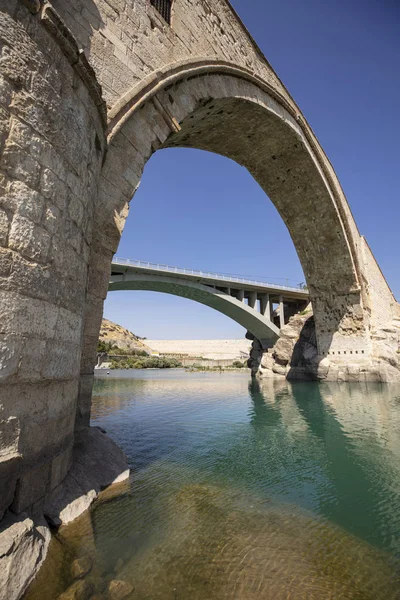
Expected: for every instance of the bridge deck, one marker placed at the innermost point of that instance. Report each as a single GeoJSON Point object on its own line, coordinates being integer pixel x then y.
{"type": "Point", "coordinates": [123, 265]}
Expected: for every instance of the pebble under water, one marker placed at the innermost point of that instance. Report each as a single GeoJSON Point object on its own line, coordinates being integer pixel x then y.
{"type": "Point", "coordinates": [241, 490]}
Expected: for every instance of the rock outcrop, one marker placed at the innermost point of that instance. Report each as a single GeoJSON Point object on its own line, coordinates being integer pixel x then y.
{"type": "Point", "coordinates": [97, 463]}
{"type": "Point", "coordinates": [24, 542]}
{"type": "Point", "coordinates": [295, 355]}
{"type": "Point", "coordinates": [121, 337]}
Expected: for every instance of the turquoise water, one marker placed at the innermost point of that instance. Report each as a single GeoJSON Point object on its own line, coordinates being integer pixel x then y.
{"type": "Point", "coordinates": [242, 489]}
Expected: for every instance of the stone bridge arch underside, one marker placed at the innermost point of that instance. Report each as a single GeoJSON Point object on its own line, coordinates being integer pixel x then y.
{"type": "Point", "coordinates": [224, 109]}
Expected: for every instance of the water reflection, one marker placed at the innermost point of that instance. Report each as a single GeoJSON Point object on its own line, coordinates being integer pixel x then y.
{"type": "Point", "coordinates": [243, 490]}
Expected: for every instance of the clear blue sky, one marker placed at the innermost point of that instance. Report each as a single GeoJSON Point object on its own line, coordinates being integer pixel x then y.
{"type": "Point", "coordinates": [341, 62]}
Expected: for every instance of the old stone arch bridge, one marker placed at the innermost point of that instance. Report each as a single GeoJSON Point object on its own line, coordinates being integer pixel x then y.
{"type": "Point", "coordinates": [89, 89]}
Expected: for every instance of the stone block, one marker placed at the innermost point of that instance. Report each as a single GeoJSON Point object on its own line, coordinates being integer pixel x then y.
{"type": "Point", "coordinates": [60, 467]}
{"type": "Point", "coordinates": [62, 360]}
{"type": "Point", "coordinates": [53, 188]}
{"type": "Point", "coordinates": [76, 210]}
{"type": "Point", "coordinates": [30, 279]}
{"type": "Point", "coordinates": [9, 434]}
{"type": "Point", "coordinates": [4, 225]}
{"type": "Point", "coordinates": [6, 92]}
{"type": "Point", "coordinates": [32, 485]}
{"type": "Point", "coordinates": [23, 200]}
{"type": "Point", "coordinates": [6, 259]}
{"type": "Point", "coordinates": [84, 403]}
{"type": "Point", "coordinates": [52, 218]}
{"type": "Point", "coordinates": [69, 326]}
{"type": "Point", "coordinates": [9, 471]}
{"type": "Point", "coordinates": [29, 239]}
{"type": "Point", "coordinates": [21, 166]}
{"type": "Point", "coordinates": [27, 316]}
{"type": "Point", "coordinates": [89, 353]}
{"type": "Point", "coordinates": [31, 360]}
{"type": "Point", "coordinates": [10, 354]}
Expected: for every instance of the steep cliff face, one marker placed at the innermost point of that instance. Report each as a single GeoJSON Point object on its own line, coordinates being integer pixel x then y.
{"type": "Point", "coordinates": [114, 334]}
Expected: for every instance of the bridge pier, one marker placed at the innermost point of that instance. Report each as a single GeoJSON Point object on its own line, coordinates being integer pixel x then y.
{"type": "Point", "coordinates": [281, 312]}
{"type": "Point", "coordinates": [252, 299]}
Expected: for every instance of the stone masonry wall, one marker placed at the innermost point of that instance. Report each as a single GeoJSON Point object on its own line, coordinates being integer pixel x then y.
{"type": "Point", "coordinates": [126, 40]}
{"type": "Point", "coordinates": [51, 149]}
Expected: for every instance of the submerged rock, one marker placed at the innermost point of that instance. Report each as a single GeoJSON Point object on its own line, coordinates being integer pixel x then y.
{"type": "Point", "coordinates": [80, 590]}
{"type": "Point", "coordinates": [118, 590]}
{"type": "Point", "coordinates": [81, 567]}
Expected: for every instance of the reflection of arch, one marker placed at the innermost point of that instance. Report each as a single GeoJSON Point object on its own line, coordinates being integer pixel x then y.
{"type": "Point", "coordinates": [261, 327]}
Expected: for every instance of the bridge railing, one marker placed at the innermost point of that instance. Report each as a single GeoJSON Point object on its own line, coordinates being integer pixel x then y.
{"type": "Point", "coordinates": [205, 274]}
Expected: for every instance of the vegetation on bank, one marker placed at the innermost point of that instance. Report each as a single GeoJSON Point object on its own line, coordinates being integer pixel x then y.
{"type": "Point", "coordinates": [110, 348]}
{"type": "Point", "coordinates": [149, 362]}
{"type": "Point", "coordinates": [140, 359]}
{"type": "Point", "coordinates": [237, 364]}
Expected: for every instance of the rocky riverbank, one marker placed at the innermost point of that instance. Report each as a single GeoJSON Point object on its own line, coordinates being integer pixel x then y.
{"type": "Point", "coordinates": [295, 355]}
{"type": "Point", "coordinates": [96, 463]}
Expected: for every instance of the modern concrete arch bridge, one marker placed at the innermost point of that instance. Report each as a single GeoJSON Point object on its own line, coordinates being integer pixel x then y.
{"type": "Point", "coordinates": [250, 303]}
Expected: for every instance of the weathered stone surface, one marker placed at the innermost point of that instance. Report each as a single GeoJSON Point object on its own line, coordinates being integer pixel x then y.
{"type": "Point", "coordinates": [97, 463]}
{"type": "Point", "coordinates": [23, 548]}
{"type": "Point", "coordinates": [32, 486]}
{"type": "Point", "coordinates": [9, 471]}
{"type": "Point", "coordinates": [295, 356]}
{"type": "Point", "coordinates": [81, 567]}
{"type": "Point", "coordinates": [118, 590]}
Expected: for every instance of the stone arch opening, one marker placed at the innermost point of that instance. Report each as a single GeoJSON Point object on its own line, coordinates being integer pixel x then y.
{"type": "Point", "coordinates": [181, 216]}
{"type": "Point", "coordinates": [228, 112]}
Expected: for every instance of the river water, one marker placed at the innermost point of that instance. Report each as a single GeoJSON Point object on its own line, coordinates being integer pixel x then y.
{"type": "Point", "coordinates": [242, 490]}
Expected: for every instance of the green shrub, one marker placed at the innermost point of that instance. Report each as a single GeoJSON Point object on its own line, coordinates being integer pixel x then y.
{"type": "Point", "coordinates": [237, 364]}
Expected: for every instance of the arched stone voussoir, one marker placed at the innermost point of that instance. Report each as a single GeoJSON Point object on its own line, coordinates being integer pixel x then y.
{"type": "Point", "coordinates": [225, 110]}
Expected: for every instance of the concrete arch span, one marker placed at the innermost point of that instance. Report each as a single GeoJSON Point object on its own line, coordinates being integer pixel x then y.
{"type": "Point", "coordinates": [261, 327]}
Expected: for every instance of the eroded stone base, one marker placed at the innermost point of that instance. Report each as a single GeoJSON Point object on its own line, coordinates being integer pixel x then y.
{"type": "Point", "coordinates": [97, 463]}
{"type": "Point", "coordinates": [23, 547]}
{"type": "Point", "coordinates": [295, 356]}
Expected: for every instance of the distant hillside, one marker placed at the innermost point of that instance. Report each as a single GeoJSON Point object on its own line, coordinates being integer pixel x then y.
{"type": "Point", "coordinates": [119, 336]}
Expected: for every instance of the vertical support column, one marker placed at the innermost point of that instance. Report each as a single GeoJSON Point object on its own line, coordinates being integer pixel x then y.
{"type": "Point", "coordinates": [240, 295]}
{"type": "Point", "coordinates": [281, 313]}
{"type": "Point", "coordinates": [265, 306]}
{"type": "Point", "coordinates": [252, 299]}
